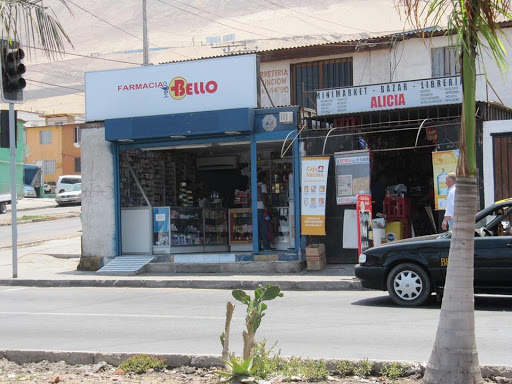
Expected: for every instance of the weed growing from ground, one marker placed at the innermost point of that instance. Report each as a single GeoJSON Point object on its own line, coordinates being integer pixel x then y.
{"type": "Point", "coordinates": [363, 368]}
{"type": "Point", "coordinates": [142, 363]}
{"type": "Point", "coordinates": [394, 370]}
{"type": "Point", "coordinates": [345, 368]}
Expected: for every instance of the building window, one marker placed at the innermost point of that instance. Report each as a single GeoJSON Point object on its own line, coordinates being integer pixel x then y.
{"type": "Point", "coordinates": [78, 165]}
{"type": "Point", "coordinates": [309, 77]}
{"type": "Point", "coordinates": [78, 135]}
{"type": "Point", "coordinates": [45, 137]}
{"type": "Point", "coordinates": [49, 167]}
{"type": "Point", "coordinates": [445, 62]}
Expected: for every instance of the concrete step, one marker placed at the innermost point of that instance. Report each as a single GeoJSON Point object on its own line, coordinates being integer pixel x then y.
{"type": "Point", "coordinates": [240, 267]}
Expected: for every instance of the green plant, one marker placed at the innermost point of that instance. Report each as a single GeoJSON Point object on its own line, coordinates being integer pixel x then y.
{"type": "Point", "coordinates": [315, 370]}
{"type": "Point", "coordinates": [255, 311]}
{"type": "Point", "coordinates": [238, 369]}
{"type": "Point", "coordinates": [363, 368]}
{"type": "Point", "coordinates": [345, 368]}
{"type": "Point", "coordinates": [394, 370]}
{"type": "Point", "coordinates": [142, 363]}
{"type": "Point", "coordinates": [266, 363]}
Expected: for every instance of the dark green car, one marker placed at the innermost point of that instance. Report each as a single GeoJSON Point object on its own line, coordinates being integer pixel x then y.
{"type": "Point", "coordinates": [410, 270]}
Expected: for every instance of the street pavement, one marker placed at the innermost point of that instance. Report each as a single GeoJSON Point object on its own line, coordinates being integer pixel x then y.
{"type": "Point", "coordinates": [54, 262]}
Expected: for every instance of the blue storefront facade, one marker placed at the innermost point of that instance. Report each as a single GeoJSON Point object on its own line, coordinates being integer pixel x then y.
{"type": "Point", "coordinates": [184, 182]}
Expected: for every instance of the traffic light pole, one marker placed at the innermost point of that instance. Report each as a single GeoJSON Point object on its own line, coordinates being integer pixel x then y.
{"type": "Point", "coordinates": [14, 221]}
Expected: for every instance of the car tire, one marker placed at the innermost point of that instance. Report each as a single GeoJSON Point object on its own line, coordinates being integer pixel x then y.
{"type": "Point", "coordinates": [3, 208]}
{"type": "Point", "coordinates": [408, 284]}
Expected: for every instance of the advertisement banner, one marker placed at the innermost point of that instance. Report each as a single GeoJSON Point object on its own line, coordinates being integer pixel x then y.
{"type": "Point", "coordinates": [161, 226]}
{"type": "Point", "coordinates": [192, 86]}
{"type": "Point", "coordinates": [443, 162]}
{"type": "Point", "coordinates": [352, 175]}
{"type": "Point", "coordinates": [364, 219]}
{"type": "Point", "coordinates": [379, 97]}
{"type": "Point", "coordinates": [314, 188]}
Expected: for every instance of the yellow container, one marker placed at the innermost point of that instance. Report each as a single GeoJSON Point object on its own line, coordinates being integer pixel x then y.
{"type": "Point", "coordinates": [394, 231]}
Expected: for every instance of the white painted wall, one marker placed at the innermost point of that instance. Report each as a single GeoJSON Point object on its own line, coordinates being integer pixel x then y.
{"type": "Point", "coordinates": [491, 127]}
{"type": "Point", "coordinates": [98, 206]}
{"type": "Point", "coordinates": [407, 60]}
{"type": "Point", "coordinates": [276, 77]}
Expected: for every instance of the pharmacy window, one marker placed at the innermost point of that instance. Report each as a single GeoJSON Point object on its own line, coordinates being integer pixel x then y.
{"type": "Point", "coordinates": [445, 62]}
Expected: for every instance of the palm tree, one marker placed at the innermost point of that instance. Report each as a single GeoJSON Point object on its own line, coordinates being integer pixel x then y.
{"type": "Point", "coordinates": [475, 23]}
{"type": "Point", "coordinates": [34, 25]}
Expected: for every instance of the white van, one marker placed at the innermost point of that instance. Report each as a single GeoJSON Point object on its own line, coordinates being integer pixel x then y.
{"type": "Point", "coordinates": [66, 181]}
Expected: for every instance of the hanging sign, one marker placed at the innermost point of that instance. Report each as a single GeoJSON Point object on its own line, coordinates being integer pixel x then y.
{"type": "Point", "coordinates": [379, 97]}
{"type": "Point", "coordinates": [313, 197]}
{"type": "Point", "coordinates": [364, 218]}
{"type": "Point", "coordinates": [443, 162]}
{"type": "Point", "coordinates": [352, 175]}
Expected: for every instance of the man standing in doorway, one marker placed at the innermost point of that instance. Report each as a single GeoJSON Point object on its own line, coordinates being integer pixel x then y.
{"type": "Point", "coordinates": [451, 180]}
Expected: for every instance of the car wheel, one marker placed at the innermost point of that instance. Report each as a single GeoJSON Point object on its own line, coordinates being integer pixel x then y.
{"type": "Point", "coordinates": [409, 284]}
{"type": "Point", "coordinates": [3, 208]}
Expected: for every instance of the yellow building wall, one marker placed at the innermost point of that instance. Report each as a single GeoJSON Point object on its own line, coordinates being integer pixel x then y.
{"type": "Point", "coordinates": [61, 149]}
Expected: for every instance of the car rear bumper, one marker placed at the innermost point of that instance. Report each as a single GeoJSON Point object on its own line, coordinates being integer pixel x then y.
{"type": "Point", "coordinates": [371, 277]}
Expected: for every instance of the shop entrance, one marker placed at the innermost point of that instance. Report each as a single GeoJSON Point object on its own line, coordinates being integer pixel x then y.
{"type": "Point", "coordinates": [198, 197]}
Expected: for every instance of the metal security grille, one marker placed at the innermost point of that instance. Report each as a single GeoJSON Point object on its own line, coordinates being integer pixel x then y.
{"type": "Point", "coordinates": [309, 77]}
{"type": "Point", "coordinates": [502, 151]}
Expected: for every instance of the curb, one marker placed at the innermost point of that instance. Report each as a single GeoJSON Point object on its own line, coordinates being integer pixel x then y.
{"type": "Point", "coordinates": [296, 285]}
{"type": "Point", "coordinates": [198, 361]}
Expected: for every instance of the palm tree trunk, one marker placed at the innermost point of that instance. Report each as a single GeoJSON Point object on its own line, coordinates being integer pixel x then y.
{"type": "Point", "coordinates": [455, 344]}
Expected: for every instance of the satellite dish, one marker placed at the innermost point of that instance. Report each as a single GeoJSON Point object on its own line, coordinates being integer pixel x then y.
{"type": "Point", "coordinates": [77, 145]}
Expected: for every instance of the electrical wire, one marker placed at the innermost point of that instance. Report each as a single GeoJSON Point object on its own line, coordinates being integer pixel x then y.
{"type": "Point", "coordinates": [232, 20]}
{"type": "Point", "coordinates": [317, 18]}
{"type": "Point", "coordinates": [120, 29]}
{"type": "Point", "coordinates": [212, 20]}
{"type": "Point", "coordinates": [54, 85]}
{"type": "Point", "coordinates": [86, 56]}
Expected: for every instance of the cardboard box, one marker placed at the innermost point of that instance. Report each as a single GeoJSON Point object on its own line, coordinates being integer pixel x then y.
{"type": "Point", "coordinates": [315, 250]}
{"type": "Point", "coordinates": [315, 257]}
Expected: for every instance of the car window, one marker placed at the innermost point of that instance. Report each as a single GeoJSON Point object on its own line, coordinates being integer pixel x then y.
{"type": "Point", "coordinates": [76, 187]}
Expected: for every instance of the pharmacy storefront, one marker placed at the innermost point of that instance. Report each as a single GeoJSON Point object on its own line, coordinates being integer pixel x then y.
{"type": "Point", "coordinates": [170, 161]}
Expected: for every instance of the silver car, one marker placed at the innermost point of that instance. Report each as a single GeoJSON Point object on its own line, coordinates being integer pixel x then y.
{"type": "Point", "coordinates": [72, 196]}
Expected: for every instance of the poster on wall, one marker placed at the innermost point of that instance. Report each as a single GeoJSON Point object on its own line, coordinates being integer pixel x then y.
{"type": "Point", "coordinates": [161, 227]}
{"type": "Point", "coordinates": [313, 198]}
{"type": "Point", "coordinates": [443, 162]}
{"type": "Point", "coordinates": [352, 175]}
{"type": "Point", "coordinates": [364, 218]}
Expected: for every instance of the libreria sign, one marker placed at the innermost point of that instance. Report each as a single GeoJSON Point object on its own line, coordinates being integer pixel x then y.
{"type": "Point", "coordinates": [404, 94]}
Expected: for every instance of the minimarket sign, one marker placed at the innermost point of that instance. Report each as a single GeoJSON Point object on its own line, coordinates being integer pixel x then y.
{"type": "Point", "coordinates": [379, 97]}
{"type": "Point", "coordinates": [193, 86]}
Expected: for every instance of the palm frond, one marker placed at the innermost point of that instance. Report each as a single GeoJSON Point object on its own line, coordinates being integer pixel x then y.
{"type": "Point", "coordinates": [34, 26]}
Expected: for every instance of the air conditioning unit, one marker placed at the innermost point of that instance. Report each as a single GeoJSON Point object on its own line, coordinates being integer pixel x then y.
{"type": "Point", "coordinates": [217, 163]}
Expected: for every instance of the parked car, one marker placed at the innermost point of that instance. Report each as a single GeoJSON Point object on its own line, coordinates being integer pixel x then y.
{"type": "Point", "coordinates": [29, 191]}
{"type": "Point", "coordinates": [411, 269]}
{"type": "Point", "coordinates": [72, 196]}
{"type": "Point", "coordinates": [65, 182]}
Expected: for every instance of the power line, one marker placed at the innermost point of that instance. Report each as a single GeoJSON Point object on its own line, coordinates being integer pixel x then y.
{"type": "Point", "coordinates": [54, 85]}
{"type": "Point", "coordinates": [212, 20]}
{"type": "Point", "coordinates": [119, 29]}
{"type": "Point", "coordinates": [317, 18]}
{"type": "Point", "coordinates": [87, 56]}
{"type": "Point", "coordinates": [230, 19]}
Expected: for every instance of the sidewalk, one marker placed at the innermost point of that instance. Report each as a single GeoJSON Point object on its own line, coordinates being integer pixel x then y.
{"type": "Point", "coordinates": [53, 264]}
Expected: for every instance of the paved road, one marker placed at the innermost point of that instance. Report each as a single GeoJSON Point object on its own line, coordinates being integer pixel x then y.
{"type": "Point", "coordinates": [314, 324]}
{"type": "Point", "coordinates": [40, 231]}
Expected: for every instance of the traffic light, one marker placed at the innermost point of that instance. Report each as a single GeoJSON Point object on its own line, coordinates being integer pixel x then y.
{"type": "Point", "coordinates": [12, 70]}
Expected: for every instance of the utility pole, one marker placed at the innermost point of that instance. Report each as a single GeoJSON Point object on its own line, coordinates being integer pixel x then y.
{"type": "Point", "coordinates": [14, 221]}
{"type": "Point", "coordinates": [145, 47]}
